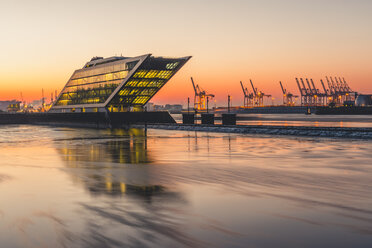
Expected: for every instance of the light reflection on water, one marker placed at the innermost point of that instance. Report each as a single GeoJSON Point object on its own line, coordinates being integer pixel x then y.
{"type": "Point", "coordinates": [64, 187]}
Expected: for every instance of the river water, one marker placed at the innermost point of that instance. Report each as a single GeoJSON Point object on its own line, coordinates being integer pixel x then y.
{"type": "Point", "coordinates": [64, 187]}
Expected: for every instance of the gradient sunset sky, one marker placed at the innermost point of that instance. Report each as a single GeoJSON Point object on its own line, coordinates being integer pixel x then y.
{"type": "Point", "coordinates": [43, 42]}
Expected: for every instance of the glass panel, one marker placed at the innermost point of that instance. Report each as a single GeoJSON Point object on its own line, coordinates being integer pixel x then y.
{"type": "Point", "coordinates": [94, 85]}
{"type": "Point", "coordinates": [146, 82]}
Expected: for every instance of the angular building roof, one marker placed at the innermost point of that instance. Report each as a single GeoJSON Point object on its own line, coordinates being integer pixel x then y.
{"type": "Point", "coordinates": [117, 82]}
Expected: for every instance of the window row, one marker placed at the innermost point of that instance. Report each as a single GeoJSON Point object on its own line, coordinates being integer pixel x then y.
{"type": "Point", "coordinates": [101, 85]}
{"type": "Point", "coordinates": [153, 74]}
{"type": "Point", "coordinates": [79, 101]}
{"type": "Point", "coordinates": [136, 91]}
{"type": "Point", "coordinates": [118, 66]}
{"type": "Point", "coordinates": [145, 83]}
{"type": "Point", "coordinates": [100, 78]}
{"type": "Point", "coordinates": [172, 66]}
{"type": "Point", "coordinates": [141, 100]}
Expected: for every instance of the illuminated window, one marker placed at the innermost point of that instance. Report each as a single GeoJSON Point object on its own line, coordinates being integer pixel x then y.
{"type": "Point", "coordinates": [172, 66]}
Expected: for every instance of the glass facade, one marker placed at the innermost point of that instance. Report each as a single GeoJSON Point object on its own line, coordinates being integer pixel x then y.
{"type": "Point", "coordinates": [94, 84]}
{"type": "Point", "coordinates": [97, 84]}
{"type": "Point", "coordinates": [146, 82]}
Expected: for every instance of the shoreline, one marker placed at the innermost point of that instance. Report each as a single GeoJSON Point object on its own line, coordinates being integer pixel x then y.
{"type": "Point", "coordinates": [304, 131]}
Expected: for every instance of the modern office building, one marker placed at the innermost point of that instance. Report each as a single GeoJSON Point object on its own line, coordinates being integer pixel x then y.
{"type": "Point", "coordinates": [116, 84]}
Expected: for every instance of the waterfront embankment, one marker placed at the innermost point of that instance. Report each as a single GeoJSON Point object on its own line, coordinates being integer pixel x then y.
{"type": "Point", "coordinates": [162, 120]}
{"type": "Point", "coordinates": [337, 132]}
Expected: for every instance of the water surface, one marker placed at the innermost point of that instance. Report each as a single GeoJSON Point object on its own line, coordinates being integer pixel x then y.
{"type": "Point", "coordinates": [64, 187]}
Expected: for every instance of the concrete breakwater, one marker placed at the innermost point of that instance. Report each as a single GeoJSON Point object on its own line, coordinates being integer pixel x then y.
{"type": "Point", "coordinates": [356, 133]}
{"type": "Point", "coordinates": [89, 120]}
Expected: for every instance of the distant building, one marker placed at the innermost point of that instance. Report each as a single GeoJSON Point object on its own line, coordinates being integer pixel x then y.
{"type": "Point", "coordinates": [14, 107]}
{"type": "Point", "coordinates": [158, 108]}
{"type": "Point", "coordinates": [363, 100]}
{"type": "Point", "coordinates": [150, 106]}
{"type": "Point", "coordinates": [172, 108]}
{"type": "Point", "coordinates": [5, 104]}
{"type": "Point", "coordinates": [37, 103]}
{"type": "Point", "coordinates": [116, 84]}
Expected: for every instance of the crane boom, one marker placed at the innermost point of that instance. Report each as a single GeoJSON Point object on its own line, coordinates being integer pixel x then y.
{"type": "Point", "coordinates": [342, 85]}
{"type": "Point", "coordinates": [299, 87]}
{"type": "Point", "coordinates": [281, 86]}
{"type": "Point", "coordinates": [334, 86]}
{"type": "Point", "coordinates": [315, 89]}
{"type": "Point", "coordinates": [303, 84]}
{"type": "Point", "coordinates": [254, 90]}
{"type": "Point", "coordinates": [308, 84]}
{"type": "Point", "coordinates": [331, 90]}
{"type": "Point", "coordinates": [245, 93]}
{"type": "Point", "coordinates": [193, 84]}
{"type": "Point", "coordinates": [324, 88]}
{"type": "Point", "coordinates": [338, 85]}
{"type": "Point", "coordinates": [347, 86]}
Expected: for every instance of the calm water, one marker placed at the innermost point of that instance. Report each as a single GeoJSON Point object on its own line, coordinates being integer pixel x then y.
{"type": "Point", "coordinates": [63, 187]}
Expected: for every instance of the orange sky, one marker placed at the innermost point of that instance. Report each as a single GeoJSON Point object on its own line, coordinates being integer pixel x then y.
{"type": "Point", "coordinates": [43, 43]}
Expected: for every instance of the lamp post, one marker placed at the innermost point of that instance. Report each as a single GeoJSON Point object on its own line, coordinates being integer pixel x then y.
{"type": "Point", "coordinates": [228, 103]}
{"type": "Point", "coordinates": [207, 104]}
{"type": "Point", "coordinates": [188, 105]}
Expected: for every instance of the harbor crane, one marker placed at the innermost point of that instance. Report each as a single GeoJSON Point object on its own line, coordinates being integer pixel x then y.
{"type": "Point", "coordinates": [339, 91]}
{"type": "Point", "coordinates": [288, 97]}
{"type": "Point", "coordinates": [310, 95]}
{"type": "Point", "coordinates": [258, 95]}
{"type": "Point", "coordinates": [201, 98]}
{"type": "Point", "coordinates": [248, 97]}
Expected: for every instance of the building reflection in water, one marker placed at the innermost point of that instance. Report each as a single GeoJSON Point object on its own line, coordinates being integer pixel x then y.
{"type": "Point", "coordinates": [115, 163]}
{"type": "Point", "coordinates": [130, 202]}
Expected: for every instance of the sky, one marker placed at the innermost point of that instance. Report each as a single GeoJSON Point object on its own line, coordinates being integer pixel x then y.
{"type": "Point", "coordinates": [43, 42]}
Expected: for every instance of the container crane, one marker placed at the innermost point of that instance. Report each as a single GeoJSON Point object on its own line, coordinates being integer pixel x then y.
{"type": "Point", "coordinates": [312, 93]}
{"type": "Point", "coordinates": [302, 92]}
{"type": "Point", "coordinates": [200, 97]}
{"type": "Point", "coordinates": [287, 96]}
{"type": "Point", "coordinates": [307, 96]}
{"type": "Point", "coordinates": [248, 97]}
{"type": "Point", "coordinates": [327, 93]}
{"type": "Point", "coordinates": [258, 95]}
{"type": "Point", "coordinates": [321, 98]}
